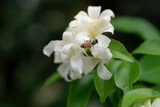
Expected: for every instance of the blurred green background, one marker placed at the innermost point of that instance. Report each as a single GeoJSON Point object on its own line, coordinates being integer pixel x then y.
{"type": "Point", "coordinates": [26, 26]}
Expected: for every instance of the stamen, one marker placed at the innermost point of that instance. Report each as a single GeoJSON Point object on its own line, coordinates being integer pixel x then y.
{"type": "Point", "coordinates": [92, 32]}
{"type": "Point", "coordinates": [95, 59]}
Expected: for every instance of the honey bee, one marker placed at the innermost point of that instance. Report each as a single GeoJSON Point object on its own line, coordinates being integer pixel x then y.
{"type": "Point", "coordinates": [89, 43]}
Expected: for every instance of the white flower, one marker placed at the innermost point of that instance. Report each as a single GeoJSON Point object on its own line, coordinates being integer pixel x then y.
{"type": "Point", "coordinates": [93, 23]}
{"type": "Point", "coordinates": [94, 14]}
{"type": "Point", "coordinates": [156, 103]}
{"type": "Point", "coordinates": [75, 59]}
{"type": "Point", "coordinates": [68, 52]}
{"type": "Point", "coordinates": [101, 55]}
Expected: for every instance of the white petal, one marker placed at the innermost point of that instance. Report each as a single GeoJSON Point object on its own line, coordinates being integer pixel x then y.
{"type": "Point", "coordinates": [96, 50]}
{"type": "Point", "coordinates": [156, 102]}
{"type": "Point", "coordinates": [89, 64]}
{"type": "Point", "coordinates": [67, 36]}
{"type": "Point", "coordinates": [75, 75]}
{"type": "Point", "coordinates": [147, 103]}
{"type": "Point", "coordinates": [109, 28]}
{"type": "Point", "coordinates": [103, 40]}
{"type": "Point", "coordinates": [57, 57]}
{"type": "Point", "coordinates": [107, 14]}
{"type": "Point", "coordinates": [103, 72]}
{"type": "Point", "coordinates": [67, 47]}
{"type": "Point", "coordinates": [101, 52]}
{"type": "Point", "coordinates": [101, 26]}
{"type": "Point", "coordinates": [73, 23]}
{"type": "Point", "coordinates": [76, 64]}
{"type": "Point", "coordinates": [80, 15]}
{"type": "Point", "coordinates": [81, 37]}
{"type": "Point", "coordinates": [63, 69]}
{"type": "Point", "coordinates": [65, 58]}
{"type": "Point", "coordinates": [52, 46]}
{"type": "Point", "coordinates": [86, 20]}
{"type": "Point", "coordinates": [94, 11]}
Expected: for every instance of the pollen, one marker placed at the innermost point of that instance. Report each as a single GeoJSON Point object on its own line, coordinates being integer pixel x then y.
{"type": "Point", "coordinates": [92, 32]}
{"type": "Point", "coordinates": [95, 59]}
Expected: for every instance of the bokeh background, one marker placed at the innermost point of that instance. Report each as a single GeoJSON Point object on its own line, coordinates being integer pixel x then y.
{"type": "Point", "coordinates": [26, 26]}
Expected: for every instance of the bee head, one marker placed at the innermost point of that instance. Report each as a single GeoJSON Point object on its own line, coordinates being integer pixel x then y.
{"type": "Point", "coordinates": [82, 46]}
{"type": "Point", "coordinates": [95, 41]}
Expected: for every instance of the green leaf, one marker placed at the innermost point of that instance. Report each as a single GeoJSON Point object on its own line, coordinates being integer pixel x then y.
{"type": "Point", "coordinates": [104, 87]}
{"type": "Point", "coordinates": [138, 95]}
{"type": "Point", "coordinates": [126, 74]}
{"type": "Point", "coordinates": [54, 77]}
{"type": "Point", "coordinates": [150, 69]}
{"type": "Point", "coordinates": [115, 97]}
{"type": "Point", "coordinates": [80, 91]}
{"type": "Point", "coordinates": [151, 47]}
{"type": "Point", "coordinates": [119, 51]}
{"type": "Point", "coordinates": [113, 65]}
{"type": "Point", "coordinates": [156, 88]}
{"type": "Point", "coordinates": [135, 25]}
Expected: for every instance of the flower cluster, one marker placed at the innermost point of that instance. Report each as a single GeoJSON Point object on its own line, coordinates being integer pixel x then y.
{"type": "Point", "coordinates": [83, 45]}
{"type": "Point", "coordinates": [156, 103]}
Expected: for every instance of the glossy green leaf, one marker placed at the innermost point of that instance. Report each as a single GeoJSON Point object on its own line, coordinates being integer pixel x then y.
{"type": "Point", "coordinates": [115, 97]}
{"type": "Point", "coordinates": [135, 25]}
{"type": "Point", "coordinates": [103, 87]}
{"type": "Point", "coordinates": [151, 47]}
{"type": "Point", "coordinates": [126, 74]}
{"type": "Point", "coordinates": [150, 66]}
{"type": "Point", "coordinates": [80, 91]}
{"type": "Point", "coordinates": [119, 51]}
{"type": "Point", "coordinates": [54, 77]}
{"type": "Point", "coordinates": [156, 88]}
{"type": "Point", "coordinates": [113, 65]}
{"type": "Point", "coordinates": [135, 95]}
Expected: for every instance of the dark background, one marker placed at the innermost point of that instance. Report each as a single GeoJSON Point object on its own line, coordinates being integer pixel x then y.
{"type": "Point", "coordinates": [26, 26]}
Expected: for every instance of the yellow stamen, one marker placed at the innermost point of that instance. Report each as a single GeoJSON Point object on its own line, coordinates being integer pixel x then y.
{"type": "Point", "coordinates": [95, 59]}
{"type": "Point", "coordinates": [92, 32]}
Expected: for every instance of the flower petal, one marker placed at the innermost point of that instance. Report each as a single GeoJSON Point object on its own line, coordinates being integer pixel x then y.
{"type": "Point", "coordinates": [103, 40]}
{"type": "Point", "coordinates": [81, 37]}
{"type": "Point", "coordinates": [67, 47]}
{"type": "Point", "coordinates": [156, 102]}
{"type": "Point", "coordinates": [75, 75]}
{"type": "Point", "coordinates": [63, 69]}
{"type": "Point", "coordinates": [89, 64]}
{"type": "Point", "coordinates": [67, 36]}
{"type": "Point", "coordinates": [76, 64]}
{"type": "Point", "coordinates": [107, 14]}
{"type": "Point", "coordinates": [73, 24]}
{"type": "Point", "coordinates": [110, 28]}
{"type": "Point", "coordinates": [103, 72]}
{"type": "Point", "coordinates": [94, 11]}
{"type": "Point", "coordinates": [147, 103]}
{"type": "Point", "coordinates": [52, 46]}
{"type": "Point", "coordinates": [101, 52]}
{"type": "Point", "coordinates": [102, 26]}
{"type": "Point", "coordinates": [57, 57]}
{"type": "Point", "coordinates": [80, 15]}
